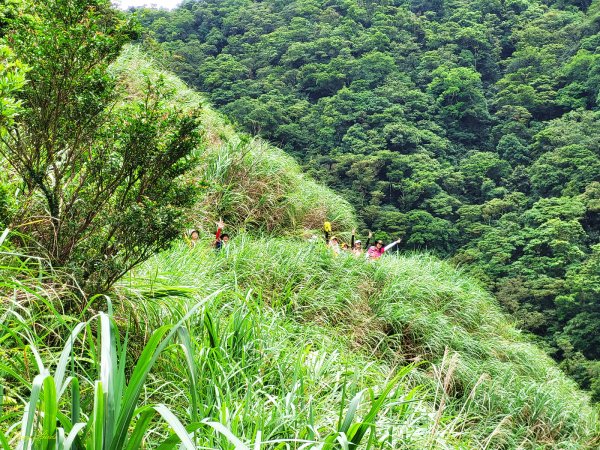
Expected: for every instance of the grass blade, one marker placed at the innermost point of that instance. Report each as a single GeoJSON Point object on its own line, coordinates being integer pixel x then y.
{"type": "Point", "coordinates": [149, 355]}
{"type": "Point", "coordinates": [108, 372]}
{"type": "Point", "coordinates": [29, 414]}
{"type": "Point", "coordinates": [176, 425]}
{"type": "Point", "coordinates": [4, 442]}
{"type": "Point", "coordinates": [351, 412]}
{"type": "Point", "coordinates": [50, 410]}
{"type": "Point", "coordinates": [64, 359]}
{"type": "Point", "coordinates": [3, 236]}
{"type": "Point", "coordinates": [188, 350]}
{"type": "Point", "coordinates": [75, 401]}
{"type": "Point", "coordinates": [219, 427]}
{"type": "Point", "coordinates": [70, 440]}
{"type": "Point", "coordinates": [369, 419]}
{"type": "Point", "coordinates": [97, 434]}
{"type": "Point", "coordinates": [146, 414]}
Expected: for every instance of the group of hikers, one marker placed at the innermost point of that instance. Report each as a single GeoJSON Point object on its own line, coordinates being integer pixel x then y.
{"type": "Point", "coordinates": [221, 239]}
{"type": "Point", "coordinates": [373, 252]}
{"type": "Point", "coordinates": [356, 248]}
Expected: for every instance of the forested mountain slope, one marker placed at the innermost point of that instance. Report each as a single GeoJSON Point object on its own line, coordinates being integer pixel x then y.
{"type": "Point", "coordinates": [116, 333]}
{"type": "Point", "coordinates": [290, 343]}
{"type": "Point", "coordinates": [470, 127]}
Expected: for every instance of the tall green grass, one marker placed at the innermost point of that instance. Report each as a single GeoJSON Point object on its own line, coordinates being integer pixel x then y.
{"type": "Point", "coordinates": [251, 184]}
{"type": "Point", "coordinates": [481, 381]}
{"type": "Point", "coordinates": [64, 389]}
{"type": "Point", "coordinates": [273, 343]}
{"type": "Point", "coordinates": [218, 371]}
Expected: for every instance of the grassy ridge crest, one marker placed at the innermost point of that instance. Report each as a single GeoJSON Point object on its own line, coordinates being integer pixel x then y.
{"type": "Point", "coordinates": [245, 180]}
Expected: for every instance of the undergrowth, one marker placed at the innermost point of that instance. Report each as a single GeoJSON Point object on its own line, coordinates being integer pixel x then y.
{"type": "Point", "coordinates": [275, 343]}
{"type": "Point", "coordinates": [167, 366]}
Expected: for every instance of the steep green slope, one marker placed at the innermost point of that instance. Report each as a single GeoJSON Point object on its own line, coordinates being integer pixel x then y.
{"type": "Point", "coordinates": [480, 383]}
{"type": "Point", "coordinates": [296, 347]}
{"type": "Point", "coordinates": [246, 181]}
{"type": "Point", "coordinates": [398, 310]}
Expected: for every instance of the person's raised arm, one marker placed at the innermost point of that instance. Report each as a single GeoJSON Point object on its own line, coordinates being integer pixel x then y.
{"type": "Point", "coordinates": [352, 240]}
{"type": "Point", "coordinates": [387, 247]}
{"type": "Point", "coordinates": [368, 240]}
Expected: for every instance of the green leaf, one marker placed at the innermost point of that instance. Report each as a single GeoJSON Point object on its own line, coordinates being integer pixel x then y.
{"type": "Point", "coordinates": [50, 410]}
{"type": "Point", "coordinates": [157, 343]}
{"type": "Point", "coordinates": [354, 404]}
{"type": "Point", "coordinates": [97, 432]}
{"type": "Point", "coordinates": [146, 414]}
{"type": "Point", "coordinates": [239, 445]}
{"type": "Point", "coordinates": [30, 412]}
{"type": "Point", "coordinates": [176, 425]}
{"type": "Point", "coordinates": [70, 441]}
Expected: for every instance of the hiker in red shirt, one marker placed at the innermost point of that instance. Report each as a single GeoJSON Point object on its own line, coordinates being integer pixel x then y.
{"type": "Point", "coordinates": [221, 238]}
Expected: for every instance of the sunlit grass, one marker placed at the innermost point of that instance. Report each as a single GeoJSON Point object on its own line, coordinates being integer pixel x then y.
{"type": "Point", "coordinates": [484, 380]}
{"type": "Point", "coordinates": [219, 371]}
{"type": "Point", "coordinates": [274, 342]}
{"type": "Point", "coordinates": [251, 184]}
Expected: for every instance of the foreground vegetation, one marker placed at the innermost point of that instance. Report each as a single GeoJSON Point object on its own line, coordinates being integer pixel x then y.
{"type": "Point", "coordinates": [402, 310]}
{"type": "Point", "coordinates": [273, 342]}
{"type": "Point", "coordinates": [276, 341]}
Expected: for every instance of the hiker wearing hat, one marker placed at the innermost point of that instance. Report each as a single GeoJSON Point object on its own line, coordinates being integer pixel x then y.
{"type": "Point", "coordinates": [375, 251]}
{"type": "Point", "coordinates": [334, 244]}
{"type": "Point", "coordinates": [356, 246]}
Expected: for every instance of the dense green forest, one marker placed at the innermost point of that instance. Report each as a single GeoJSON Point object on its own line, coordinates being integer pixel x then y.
{"type": "Point", "coordinates": [469, 127]}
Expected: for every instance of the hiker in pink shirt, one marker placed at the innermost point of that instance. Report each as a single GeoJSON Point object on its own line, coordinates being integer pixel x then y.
{"type": "Point", "coordinates": [375, 251]}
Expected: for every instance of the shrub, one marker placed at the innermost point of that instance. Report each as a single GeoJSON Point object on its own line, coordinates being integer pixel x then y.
{"type": "Point", "coordinates": [103, 181]}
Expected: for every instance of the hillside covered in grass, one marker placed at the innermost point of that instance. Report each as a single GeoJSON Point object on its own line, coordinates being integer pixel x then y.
{"type": "Point", "coordinates": [245, 180]}
{"type": "Point", "coordinates": [476, 381]}
{"type": "Point", "coordinates": [116, 334]}
{"type": "Point", "coordinates": [281, 344]}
